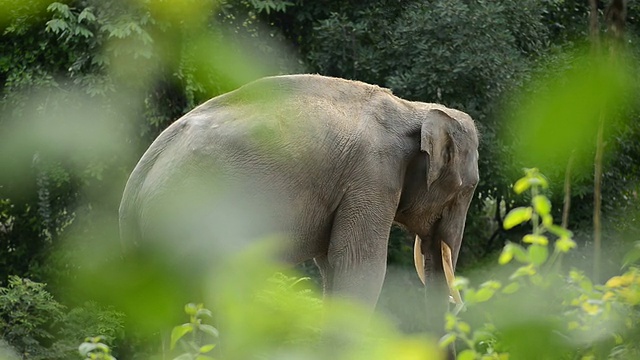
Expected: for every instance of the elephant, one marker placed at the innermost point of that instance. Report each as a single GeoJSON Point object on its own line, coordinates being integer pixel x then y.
{"type": "Point", "coordinates": [334, 162]}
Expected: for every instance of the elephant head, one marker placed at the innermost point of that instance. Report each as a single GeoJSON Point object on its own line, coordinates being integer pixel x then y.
{"type": "Point", "coordinates": [438, 189]}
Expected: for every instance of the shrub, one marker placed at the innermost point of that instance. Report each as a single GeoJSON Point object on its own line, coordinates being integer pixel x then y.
{"type": "Point", "coordinates": [28, 318]}
{"type": "Point", "coordinates": [543, 311]}
{"type": "Point", "coordinates": [36, 326]}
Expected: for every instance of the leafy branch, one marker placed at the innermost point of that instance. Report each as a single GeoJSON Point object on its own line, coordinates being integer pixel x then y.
{"type": "Point", "coordinates": [196, 329]}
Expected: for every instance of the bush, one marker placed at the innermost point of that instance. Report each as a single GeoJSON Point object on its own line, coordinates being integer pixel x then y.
{"type": "Point", "coordinates": [36, 326]}
{"type": "Point", "coordinates": [28, 318]}
{"type": "Point", "coordinates": [543, 311]}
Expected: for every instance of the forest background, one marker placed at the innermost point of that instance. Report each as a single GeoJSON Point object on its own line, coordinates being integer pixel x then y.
{"type": "Point", "coordinates": [86, 85]}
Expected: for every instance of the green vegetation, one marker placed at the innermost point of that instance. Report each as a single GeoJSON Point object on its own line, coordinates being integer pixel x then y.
{"type": "Point", "coordinates": [36, 326]}
{"type": "Point", "coordinates": [563, 314]}
{"type": "Point", "coordinates": [85, 86]}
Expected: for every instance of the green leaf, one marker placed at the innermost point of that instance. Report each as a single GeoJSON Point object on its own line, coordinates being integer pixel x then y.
{"type": "Point", "coordinates": [450, 321]}
{"type": "Point", "coordinates": [527, 270]}
{"type": "Point", "coordinates": [206, 348]}
{"type": "Point", "coordinates": [56, 26]}
{"type": "Point", "coordinates": [467, 354]}
{"type": "Point", "coordinates": [491, 284]}
{"type": "Point", "coordinates": [559, 231]}
{"type": "Point", "coordinates": [541, 204]}
{"type": "Point", "coordinates": [191, 309]}
{"type": "Point", "coordinates": [564, 244]}
{"type": "Point", "coordinates": [513, 250]}
{"type": "Point", "coordinates": [87, 15]}
{"type": "Point", "coordinates": [538, 254]}
{"type": "Point", "coordinates": [469, 297]}
{"type": "Point", "coordinates": [447, 340]}
{"type": "Point", "coordinates": [517, 216]}
{"type": "Point", "coordinates": [506, 255]}
{"type": "Point", "coordinates": [535, 239]}
{"type": "Point", "coordinates": [482, 335]}
{"type": "Point", "coordinates": [484, 294]}
{"type": "Point", "coordinates": [208, 329]}
{"type": "Point", "coordinates": [178, 332]}
{"type": "Point", "coordinates": [511, 288]}
{"type": "Point", "coordinates": [521, 185]}
{"type": "Point", "coordinates": [464, 327]}
{"type": "Point", "coordinates": [204, 312]}
{"type": "Point", "coordinates": [86, 347]}
{"type": "Point", "coordinates": [62, 9]}
{"type": "Point", "coordinates": [460, 282]}
{"type": "Point", "coordinates": [520, 253]}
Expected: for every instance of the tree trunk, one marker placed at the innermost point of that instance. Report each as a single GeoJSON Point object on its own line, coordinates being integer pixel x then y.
{"type": "Point", "coordinates": [597, 181]}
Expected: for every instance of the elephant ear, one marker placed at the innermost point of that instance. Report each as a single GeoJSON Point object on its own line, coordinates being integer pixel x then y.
{"type": "Point", "coordinates": [437, 140]}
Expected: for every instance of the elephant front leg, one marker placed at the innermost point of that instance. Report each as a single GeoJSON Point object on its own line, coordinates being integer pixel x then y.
{"type": "Point", "coordinates": [359, 279]}
{"type": "Point", "coordinates": [357, 254]}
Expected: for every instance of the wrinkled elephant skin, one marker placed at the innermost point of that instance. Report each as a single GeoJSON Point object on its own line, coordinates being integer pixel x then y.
{"type": "Point", "coordinates": [329, 163]}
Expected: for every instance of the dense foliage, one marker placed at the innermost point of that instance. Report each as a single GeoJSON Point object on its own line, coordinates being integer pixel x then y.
{"type": "Point", "coordinates": [85, 86]}
{"type": "Point", "coordinates": [36, 326]}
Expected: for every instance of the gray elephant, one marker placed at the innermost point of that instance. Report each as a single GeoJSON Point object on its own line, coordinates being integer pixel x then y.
{"type": "Point", "coordinates": [334, 162]}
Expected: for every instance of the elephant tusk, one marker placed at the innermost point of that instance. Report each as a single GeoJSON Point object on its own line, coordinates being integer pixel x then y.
{"type": "Point", "coordinates": [447, 264]}
{"type": "Point", "coordinates": [418, 259]}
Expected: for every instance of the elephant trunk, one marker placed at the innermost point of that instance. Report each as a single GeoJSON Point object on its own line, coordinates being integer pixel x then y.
{"type": "Point", "coordinates": [447, 264]}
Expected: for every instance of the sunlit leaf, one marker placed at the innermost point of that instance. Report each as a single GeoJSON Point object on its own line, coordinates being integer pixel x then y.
{"type": "Point", "coordinates": [450, 321]}
{"type": "Point", "coordinates": [464, 327]}
{"type": "Point", "coordinates": [541, 204]}
{"type": "Point", "coordinates": [591, 307]}
{"type": "Point", "coordinates": [447, 340]}
{"type": "Point", "coordinates": [482, 335]}
{"type": "Point", "coordinates": [208, 329]}
{"type": "Point", "coordinates": [538, 254]}
{"type": "Point", "coordinates": [178, 332]}
{"type": "Point", "coordinates": [517, 216]}
{"type": "Point", "coordinates": [506, 255]}
{"type": "Point", "coordinates": [204, 312]}
{"type": "Point", "coordinates": [630, 295]}
{"type": "Point", "coordinates": [491, 284]}
{"type": "Point", "coordinates": [521, 185]}
{"type": "Point", "coordinates": [470, 296]}
{"type": "Point", "coordinates": [484, 294]}
{"type": "Point", "coordinates": [191, 309]}
{"type": "Point", "coordinates": [206, 348]}
{"type": "Point", "coordinates": [527, 270]}
{"type": "Point", "coordinates": [614, 282]}
{"type": "Point", "coordinates": [520, 253]}
{"type": "Point", "coordinates": [564, 244]}
{"type": "Point", "coordinates": [511, 288]}
{"type": "Point", "coordinates": [460, 282]}
{"type": "Point", "coordinates": [608, 295]}
{"type": "Point", "coordinates": [535, 239]}
{"type": "Point", "coordinates": [559, 231]}
{"type": "Point", "coordinates": [467, 354]}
